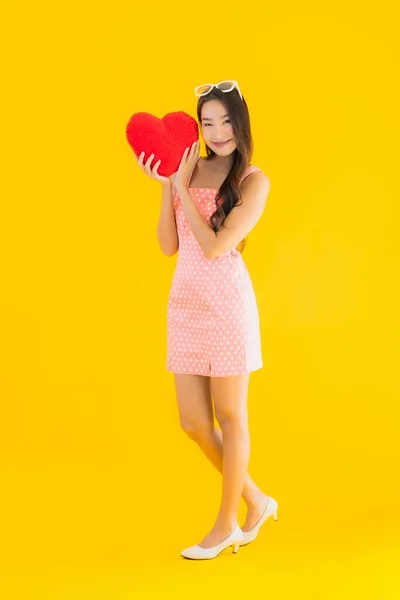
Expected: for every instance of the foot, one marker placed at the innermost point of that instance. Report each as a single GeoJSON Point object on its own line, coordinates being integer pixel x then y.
{"type": "Point", "coordinates": [217, 535]}
{"type": "Point", "coordinates": [255, 511]}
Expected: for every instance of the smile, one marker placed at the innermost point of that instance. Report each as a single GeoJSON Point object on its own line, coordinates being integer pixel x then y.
{"type": "Point", "coordinates": [220, 144]}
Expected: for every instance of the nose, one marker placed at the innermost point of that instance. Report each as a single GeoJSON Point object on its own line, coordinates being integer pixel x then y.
{"type": "Point", "coordinates": [219, 135]}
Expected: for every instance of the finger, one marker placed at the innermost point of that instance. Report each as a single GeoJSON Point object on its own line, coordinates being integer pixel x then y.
{"type": "Point", "coordinates": [194, 152]}
{"type": "Point", "coordinates": [183, 159]}
{"type": "Point", "coordinates": [140, 159]}
{"type": "Point", "coordinates": [196, 148]}
{"type": "Point", "coordinates": [149, 160]}
{"type": "Point", "coordinates": [193, 149]}
{"type": "Point", "coordinates": [155, 168]}
{"type": "Point", "coordinates": [148, 163]}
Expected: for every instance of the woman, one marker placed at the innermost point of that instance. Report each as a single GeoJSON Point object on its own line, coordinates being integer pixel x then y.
{"type": "Point", "coordinates": [208, 207]}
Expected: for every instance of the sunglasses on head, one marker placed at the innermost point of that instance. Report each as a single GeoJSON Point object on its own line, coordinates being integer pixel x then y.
{"type": "Point", "coordinates": [224, 86]}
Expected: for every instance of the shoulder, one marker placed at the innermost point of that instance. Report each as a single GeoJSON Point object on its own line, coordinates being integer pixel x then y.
{"type": "Point", "coordinates": [254, 179]}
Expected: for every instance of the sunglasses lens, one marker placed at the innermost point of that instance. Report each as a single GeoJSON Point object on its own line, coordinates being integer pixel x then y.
{"type": "Point", "coordinates": [226, 86]}
{"type": "Point", "coordinates": [204, 89]}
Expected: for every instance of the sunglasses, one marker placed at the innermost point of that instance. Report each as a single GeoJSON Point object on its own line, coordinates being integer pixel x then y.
{"type": "Point", "coordinates": [224, 86]}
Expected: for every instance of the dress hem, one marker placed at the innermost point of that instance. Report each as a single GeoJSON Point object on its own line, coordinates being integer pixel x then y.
{"type": "Point", "coordinates": [208, 374]}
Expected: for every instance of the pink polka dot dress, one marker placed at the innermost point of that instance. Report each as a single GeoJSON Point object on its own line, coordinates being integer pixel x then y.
{"type": "Point", "coordinates": [213, 323]}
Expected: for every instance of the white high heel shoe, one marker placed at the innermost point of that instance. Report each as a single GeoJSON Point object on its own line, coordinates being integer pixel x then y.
{"type": "Point", "coordinates": [199, 553]}
{"type": "Point", "coordinates": [271, 509]}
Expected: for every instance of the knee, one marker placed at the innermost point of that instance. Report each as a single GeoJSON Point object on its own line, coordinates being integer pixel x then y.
{"type": "Point", "coordinates": [231, 421]}
{"type": "Point", "coordinates": [197, 431]}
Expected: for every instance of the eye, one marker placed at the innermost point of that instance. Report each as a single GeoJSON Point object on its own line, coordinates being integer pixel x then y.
{"type": "Point", "coordinates": [226, 121]}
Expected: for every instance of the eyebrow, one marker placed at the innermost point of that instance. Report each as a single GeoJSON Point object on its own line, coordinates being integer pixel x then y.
{"type": "Point", "coordinates": [208, 119]}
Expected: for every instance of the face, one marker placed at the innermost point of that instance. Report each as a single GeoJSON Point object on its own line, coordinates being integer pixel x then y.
{"type": "Point", "coordinates": [216, 127]}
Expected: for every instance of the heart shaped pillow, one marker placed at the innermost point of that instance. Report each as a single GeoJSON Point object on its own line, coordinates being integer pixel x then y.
{"type": "Point", "coordinates": [166, 138]}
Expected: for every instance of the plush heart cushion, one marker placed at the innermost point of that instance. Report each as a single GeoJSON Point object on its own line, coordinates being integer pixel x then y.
{"type": "Point", "coordinates": [166, 138]}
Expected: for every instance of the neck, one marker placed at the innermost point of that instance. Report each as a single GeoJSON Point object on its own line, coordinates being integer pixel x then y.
{"type": "Point", "coordinates": [222, 162]}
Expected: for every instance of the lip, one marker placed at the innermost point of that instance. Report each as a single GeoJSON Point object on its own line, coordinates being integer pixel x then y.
{"type": "Point", "coordinates": [221, 144]}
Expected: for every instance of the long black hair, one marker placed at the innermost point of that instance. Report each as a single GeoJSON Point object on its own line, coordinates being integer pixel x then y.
{"type": "Point", "coordinates": [229, 193]}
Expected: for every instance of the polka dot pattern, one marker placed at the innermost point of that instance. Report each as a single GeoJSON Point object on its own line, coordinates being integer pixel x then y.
{"type": "Point", "coordinates": [213, 323]}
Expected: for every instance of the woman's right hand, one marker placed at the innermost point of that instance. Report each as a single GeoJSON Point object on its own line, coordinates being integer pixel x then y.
{"type": "Point", "coordinates": [152, 172]}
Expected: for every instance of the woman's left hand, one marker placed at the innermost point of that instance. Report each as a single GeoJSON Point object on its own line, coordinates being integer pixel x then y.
{"type": "Point", "coordinates": [188, 162]}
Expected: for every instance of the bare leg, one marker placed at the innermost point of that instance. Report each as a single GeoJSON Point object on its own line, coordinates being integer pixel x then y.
{"type": "Point", "coordinates": [197, 420]}
{"type": "Point", "coordinates": [230, 401]}
{"type": "Point", "coordinates": [212, 446]}
{"type": "Point", "coordinates": [256, 500]}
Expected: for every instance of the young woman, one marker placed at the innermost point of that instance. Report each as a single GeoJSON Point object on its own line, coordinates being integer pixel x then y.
{"type": "Point", "coordinates": [208, 207]}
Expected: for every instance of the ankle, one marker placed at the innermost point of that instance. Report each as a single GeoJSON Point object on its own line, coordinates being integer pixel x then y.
{"type": "Point", "coordinates": [226, 525]}
{"type": "Point", "coordinates": [255, 499]}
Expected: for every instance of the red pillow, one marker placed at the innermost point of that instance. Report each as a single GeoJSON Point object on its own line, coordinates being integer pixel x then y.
{"type": "Point", "coordinates": [166, 138]}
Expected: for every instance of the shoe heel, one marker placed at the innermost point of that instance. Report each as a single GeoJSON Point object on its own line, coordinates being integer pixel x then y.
{"type": "Point", "coordinates": [275, 515]}
{"type": "Point", "coordinates": [235, 548]}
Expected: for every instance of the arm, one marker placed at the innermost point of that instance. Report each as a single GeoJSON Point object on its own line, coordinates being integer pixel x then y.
{"type": "Point", "coordinates": [167, 234]}
{"type": "Point", "coordinates": [240, 221]}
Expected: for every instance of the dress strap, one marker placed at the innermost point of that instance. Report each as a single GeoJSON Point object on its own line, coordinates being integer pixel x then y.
{"type": "Point", "coordinates": [250, 169]}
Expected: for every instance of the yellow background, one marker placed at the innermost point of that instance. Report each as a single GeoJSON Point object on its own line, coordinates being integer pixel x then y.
{"type": "Point", "coordinates": [100, 489]}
